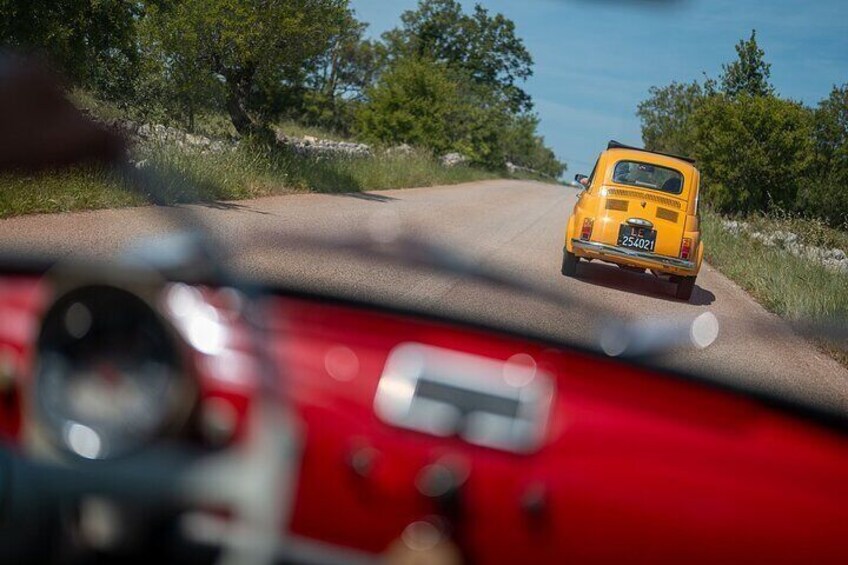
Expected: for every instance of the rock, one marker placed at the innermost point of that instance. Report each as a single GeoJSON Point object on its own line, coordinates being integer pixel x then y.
{"type": "Point", "coordinates": [314, 147]}
{"type": "Point", "coordinates": [402, 149]}
{"type": "Point", "coordinates": [197, 140]}
{"type": "Point", "coordinates": [832, 259]}
{"type": "Point", "coordinates": [734, 226]}
{"type": "Point", "coordinates": [453, 159]}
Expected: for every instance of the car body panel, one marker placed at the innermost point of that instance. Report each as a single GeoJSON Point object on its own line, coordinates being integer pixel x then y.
{"type": "Point", "coordinates": [610, 204]}
{"type": "Point", "coordinates": [636, 464]}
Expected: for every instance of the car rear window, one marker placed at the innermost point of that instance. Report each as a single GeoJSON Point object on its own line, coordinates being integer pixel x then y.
{"type": "Point", "coordinates": [646, 175]}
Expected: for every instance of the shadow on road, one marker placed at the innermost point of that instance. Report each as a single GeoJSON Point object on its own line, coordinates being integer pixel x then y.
{"type": "Point", "coordinates": [220, 205]}
{"type": "Point", "coordinates": [370, 196]}
{"type": "Point", "coordinates": [644, 284]}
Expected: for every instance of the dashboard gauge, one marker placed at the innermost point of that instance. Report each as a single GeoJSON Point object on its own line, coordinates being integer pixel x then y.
{"type": "Point", "coordinates": [109, 377]}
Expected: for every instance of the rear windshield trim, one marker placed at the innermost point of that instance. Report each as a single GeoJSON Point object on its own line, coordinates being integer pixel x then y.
{"type": "Point", "coordinates": [642, 187]}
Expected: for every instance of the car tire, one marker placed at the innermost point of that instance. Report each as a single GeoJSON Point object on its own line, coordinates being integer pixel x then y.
{"type": "Point", "coordinates": [569, 263]}
{"type": "Point", "coordinates": [685, 286]}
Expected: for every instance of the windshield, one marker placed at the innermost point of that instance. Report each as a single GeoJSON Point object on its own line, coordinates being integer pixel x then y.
{"type": "Point", "coordinates": [645, 175]}
{"type": "Point", "coordinates": [356, 238]}
{"type": "Point", "coordinates": [390, 151]}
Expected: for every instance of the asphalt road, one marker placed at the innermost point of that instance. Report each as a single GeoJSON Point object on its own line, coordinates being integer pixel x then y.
{"type": "Point", "coordinates": [515, 226]}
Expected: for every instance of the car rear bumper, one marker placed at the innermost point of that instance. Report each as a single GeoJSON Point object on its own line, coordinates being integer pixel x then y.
{"type": "Point", "coordinates": [621, 255]}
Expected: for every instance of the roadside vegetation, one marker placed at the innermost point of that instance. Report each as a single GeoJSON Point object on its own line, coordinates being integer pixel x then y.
{"type": "Point", "coordinates": [246, 172]}
{"type": "Point", "coordinates": [773, 163]}
{"type": "Point", "coordinates": [445, 81]}
{"type": "Point", "coordinates": [792, 287]}
{"type": "Point", "coordinates": [758, 152]}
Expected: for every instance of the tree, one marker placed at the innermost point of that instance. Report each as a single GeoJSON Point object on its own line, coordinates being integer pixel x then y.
{"type": "Point", "coordinates": [484, 47]}
{"type": "Point", "coordinates": [93, 42]}
{"type": "Point", "coordinates": [666, 117]}
{"type": "Point", "coordinates": [826, 195]}
{"type": "Point", "coordinates": [337, 78]}
{"type": "Point", "coordinates": [754, 151]}
{"type": "Point", "coordinates": [255, 48]}
{"type": "Point", "coordinates": [173, 82]}
{"type": "Point", "coordinates": [750, 73]}
{"type": "Point", "coordinates": [525, 148]}
{"type": "Point", "coordinates": [422, 102]}
{"type": "Point", "coordinates": [416, 101]}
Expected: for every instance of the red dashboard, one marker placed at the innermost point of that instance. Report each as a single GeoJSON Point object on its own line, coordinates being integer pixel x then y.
{"type": "Point", "coordinates": [631, 464]}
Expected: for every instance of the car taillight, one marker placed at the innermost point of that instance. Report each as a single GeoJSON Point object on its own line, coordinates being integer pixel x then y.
{"type": "Point", "coordinates": [685, 248]}
{"type": "Point", "coordinates": [586, 232]}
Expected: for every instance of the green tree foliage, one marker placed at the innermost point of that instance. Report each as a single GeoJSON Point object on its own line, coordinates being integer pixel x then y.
{"type": "Point", "coordinates": [827, 191]}
{"type": "Point", "coordinates": [525, 148]}
{"type": "Point", "coordinates": [749, 73]}
{"type": "Point", "coordinates": [484, 47]}
{"type": "Point", "coordinates": [93, 42]}
{"type": "Point", "coordinates": [666, 117]}
{"type": "Point", "coordinates": [173, 81]}
{"type": "Point", "coordinates": [254, 47]}
{"type": "Point", "coordinates": [445, 79]}
{"type": "Point", "coordinates": [416, 101]}
{"type": "Point", "coordinates": [452, 85]}
{"type": "Point", "coordinates": [338, 77]}
{"type": "Point", "coordinates": [426, 103]}
{"type": "Point", "coordinates": [755, 151]}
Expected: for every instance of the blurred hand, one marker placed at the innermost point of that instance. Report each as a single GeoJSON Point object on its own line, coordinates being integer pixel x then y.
{"type": "Point", "coordinates": [40, 128]}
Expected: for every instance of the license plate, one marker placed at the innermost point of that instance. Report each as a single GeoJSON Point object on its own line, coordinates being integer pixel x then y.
{"type": "Point", "coordinates": [634, 237]}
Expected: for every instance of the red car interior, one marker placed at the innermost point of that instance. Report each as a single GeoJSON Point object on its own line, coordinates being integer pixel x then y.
{"type": "Point", "coordinates": [634, 464]}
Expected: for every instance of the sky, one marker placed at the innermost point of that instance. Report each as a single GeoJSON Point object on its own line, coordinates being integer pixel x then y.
{"type": "Point", "coordinates": [596, 59]}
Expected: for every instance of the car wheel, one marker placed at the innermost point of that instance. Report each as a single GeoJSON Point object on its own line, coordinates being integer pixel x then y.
{"type": "Point", "coordinates": [569, 264]}
{"type": "Point", "coordinates": [685, 286]}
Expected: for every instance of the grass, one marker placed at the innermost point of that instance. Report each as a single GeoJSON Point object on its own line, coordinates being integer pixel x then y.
{"type": "Point", "coordinates": [792, 287]}
{"type": "Point", "coordinates": [248, 172]}
{"type": "Point", "coordinates": [81, 188]}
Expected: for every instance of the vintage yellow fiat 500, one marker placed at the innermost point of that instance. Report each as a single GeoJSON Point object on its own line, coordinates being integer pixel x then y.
{"type": "Point", "coordinates": [639, 210]}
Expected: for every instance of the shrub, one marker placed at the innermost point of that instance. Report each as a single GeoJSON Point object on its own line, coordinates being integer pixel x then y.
{"type": "Point", "coordinates": [826, 195]}
{"type": "Point", "coordinates": [415, 102]}
{"type": "Point", "coordinates": [755, 151]}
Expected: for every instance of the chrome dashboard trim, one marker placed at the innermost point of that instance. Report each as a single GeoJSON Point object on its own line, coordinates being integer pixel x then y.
{"type": "Point", "coordinates": [488, 402]}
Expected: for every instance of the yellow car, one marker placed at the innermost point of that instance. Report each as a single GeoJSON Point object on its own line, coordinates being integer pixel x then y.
{"type": "Point", "coordinates": [639, 210]}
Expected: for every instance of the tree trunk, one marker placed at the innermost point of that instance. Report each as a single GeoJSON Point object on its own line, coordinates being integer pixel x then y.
{"type": "Point", "coordinates": [239, 84]}
{"type": "Point", "coordinates": [242, 121]}
{"type": "Point", "coordinates": [191, 117]}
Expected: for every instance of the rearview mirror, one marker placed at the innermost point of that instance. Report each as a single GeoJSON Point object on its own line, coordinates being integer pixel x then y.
{"type": "Point", "coordinates": [582, 179]}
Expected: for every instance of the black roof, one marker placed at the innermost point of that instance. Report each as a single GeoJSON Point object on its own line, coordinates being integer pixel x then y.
{"type": "Point", "coordinates": [613, 144]}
